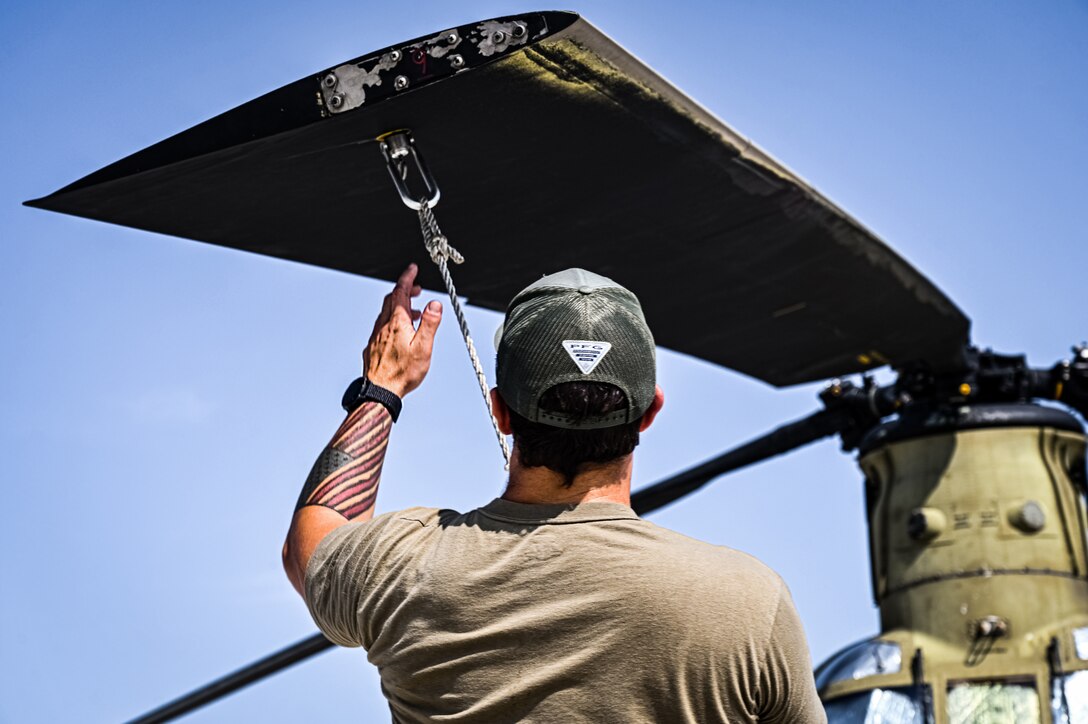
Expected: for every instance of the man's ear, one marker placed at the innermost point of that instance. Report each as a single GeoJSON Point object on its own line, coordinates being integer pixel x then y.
{"type": "Point", "coordinates": [651, 412]}
{"type": "Point", "coordinates": [501, 412]}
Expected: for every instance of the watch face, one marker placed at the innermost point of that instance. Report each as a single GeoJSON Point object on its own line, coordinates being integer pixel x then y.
{"type": "Point", "coordinates": [352, 394]}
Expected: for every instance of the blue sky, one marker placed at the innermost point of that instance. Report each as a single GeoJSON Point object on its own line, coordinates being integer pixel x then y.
{"type": "Point", "coordinates": [163, 399]}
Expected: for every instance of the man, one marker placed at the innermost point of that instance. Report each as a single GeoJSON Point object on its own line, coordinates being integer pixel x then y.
{"type": "Point", "coordinates": [555, 602]}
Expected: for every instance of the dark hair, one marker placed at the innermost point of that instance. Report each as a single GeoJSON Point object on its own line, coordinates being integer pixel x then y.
{"type": "Point", "coordinates": [570, 452]}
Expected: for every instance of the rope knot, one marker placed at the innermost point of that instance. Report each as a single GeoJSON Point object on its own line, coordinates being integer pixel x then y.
{"type": "Point", "coordinates": [439, 248]}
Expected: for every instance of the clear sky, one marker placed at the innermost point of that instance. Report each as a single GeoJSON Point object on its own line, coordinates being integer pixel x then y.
{"type": "Point", "coordinates": [163, 400]}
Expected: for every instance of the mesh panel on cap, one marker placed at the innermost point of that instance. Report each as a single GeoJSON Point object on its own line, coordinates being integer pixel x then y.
{"type": "Point", "coordinates": [574, 305]}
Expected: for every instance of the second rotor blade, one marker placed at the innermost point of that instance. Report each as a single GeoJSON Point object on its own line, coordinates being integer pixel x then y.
{"type": "Point", "coordinates": [780, 440]}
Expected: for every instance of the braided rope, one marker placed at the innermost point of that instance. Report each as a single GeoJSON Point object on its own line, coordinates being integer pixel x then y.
{"type": "Point", "coordinates": [442, 253]}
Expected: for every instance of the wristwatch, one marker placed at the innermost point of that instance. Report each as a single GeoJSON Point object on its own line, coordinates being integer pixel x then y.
{"type": "Point", "coordinates": [363, 390]}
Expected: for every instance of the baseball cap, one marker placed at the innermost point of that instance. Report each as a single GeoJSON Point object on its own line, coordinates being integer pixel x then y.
{"type": "Point", "coordinates": [575, 326]}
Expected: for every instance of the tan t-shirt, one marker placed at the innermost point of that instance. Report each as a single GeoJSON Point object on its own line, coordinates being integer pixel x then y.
{"type": "Point", "coordinates": [553, 613]}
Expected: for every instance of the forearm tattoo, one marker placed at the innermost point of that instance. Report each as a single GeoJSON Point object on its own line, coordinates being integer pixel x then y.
{"type": "Point", "coordinates": [346, 475]}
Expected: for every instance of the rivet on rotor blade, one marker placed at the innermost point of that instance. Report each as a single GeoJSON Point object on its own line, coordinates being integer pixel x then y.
{"type": "Point", "coordinates": [400, 82]}
{"type": "Point", "coordinates": [519, 30]}
{"type": "Point", "coordinates": [336, 101]}
{"type": "Point", "coordinates": [329, 81]}
{"type": "Point", "coordinates": [457, 61]}
{"type": "Point", "coordinates": [497, 37]}
{"type": "Point", "coordinates": [394, 55]}
{"type": "Point", "coordinates": [452, 38]}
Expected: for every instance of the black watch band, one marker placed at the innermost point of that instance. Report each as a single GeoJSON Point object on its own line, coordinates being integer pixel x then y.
{"type": "Point", "coordinates": [363, 390]}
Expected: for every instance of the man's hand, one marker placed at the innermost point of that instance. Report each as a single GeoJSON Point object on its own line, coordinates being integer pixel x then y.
{"type": "Point", "coordinates": [398, 355]}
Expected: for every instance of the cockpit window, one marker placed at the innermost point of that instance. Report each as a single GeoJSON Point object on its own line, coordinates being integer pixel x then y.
{"type": "Point", "coordinates": [1080, 642]}
{"type": "Point", "coordinates": [1069, 698]}
{"type": "Point", "coordinates": [992, 702]}
{"type": "Point", "coordinates": [876, 706]}
{"type": "Point", "coordinates": [867, 658]}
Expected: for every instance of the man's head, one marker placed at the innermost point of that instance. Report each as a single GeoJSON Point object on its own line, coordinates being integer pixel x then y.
{"type": "Point", "coordinates": [576, 370]}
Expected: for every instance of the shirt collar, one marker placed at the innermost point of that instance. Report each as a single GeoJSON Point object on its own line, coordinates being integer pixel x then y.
{"type": "Point", "coordinates": [587, 512]}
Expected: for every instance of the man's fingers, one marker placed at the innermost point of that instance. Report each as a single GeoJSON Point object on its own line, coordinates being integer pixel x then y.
{"type": "Point", "coordinates": [407, 278]}
{"type": "Point", "coordinates": [402, 292]}
{"type": "Point", "coordinates": [428, 325]}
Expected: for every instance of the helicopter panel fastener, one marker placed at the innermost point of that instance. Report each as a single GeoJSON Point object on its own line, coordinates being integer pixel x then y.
{"type": "Point", "coordinates": [925, 524]}
{"type": "Point", "coordinates": [990, 627]}
{"type": "Point", "coordinates": [1029, 517]}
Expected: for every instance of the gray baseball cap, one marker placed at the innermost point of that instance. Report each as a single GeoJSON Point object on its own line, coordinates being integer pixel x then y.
{"type": "Point", "coordinates": [575, 326]}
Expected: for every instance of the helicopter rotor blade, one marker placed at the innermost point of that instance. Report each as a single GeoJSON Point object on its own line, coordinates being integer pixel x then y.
{"type": "Point", "coordinates": [625, 176]}
{"type": "Point", "coordinates": [232, 682]}
{"type": "Point", "coordinates": [781, 440]}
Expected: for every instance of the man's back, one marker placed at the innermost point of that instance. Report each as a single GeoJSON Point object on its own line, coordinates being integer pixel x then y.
{"type": "Point", "coordinates": [551, 613]}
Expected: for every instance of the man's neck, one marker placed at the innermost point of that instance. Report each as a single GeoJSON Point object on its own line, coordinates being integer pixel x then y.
{"type": "Point", "coordinates": [610, 482]}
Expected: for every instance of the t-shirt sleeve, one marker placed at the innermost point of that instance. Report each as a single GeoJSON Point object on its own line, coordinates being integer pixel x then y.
{"type": "Point", "coordinates": [788, 689]}
{"type": "Point", "coordinates": [355, 567]}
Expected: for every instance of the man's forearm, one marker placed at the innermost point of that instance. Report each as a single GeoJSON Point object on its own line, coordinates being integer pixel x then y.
{"type": "Point", "coordinates": [341, 487]}
{"type": "Point", "coordinates": [346, 475]}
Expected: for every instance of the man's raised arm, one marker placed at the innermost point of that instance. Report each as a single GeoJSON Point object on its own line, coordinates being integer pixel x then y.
{"type": "Point", "coordinates": [343, 484]}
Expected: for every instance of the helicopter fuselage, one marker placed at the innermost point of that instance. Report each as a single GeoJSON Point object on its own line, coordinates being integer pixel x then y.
{"type": "Point", "coordinates": [979, 566]}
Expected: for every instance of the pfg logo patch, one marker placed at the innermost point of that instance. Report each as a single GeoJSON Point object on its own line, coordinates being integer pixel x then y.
{"type": "Point", "coordinates": [585, 353]}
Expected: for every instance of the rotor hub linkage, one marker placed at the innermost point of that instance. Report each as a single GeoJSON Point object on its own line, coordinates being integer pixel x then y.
{"type": "Point", "coordinates": [988, 377]}
{"type": "Point", "coordinates": [991, 377]}
{"type": "Point", "coordinates": [858, 409]}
